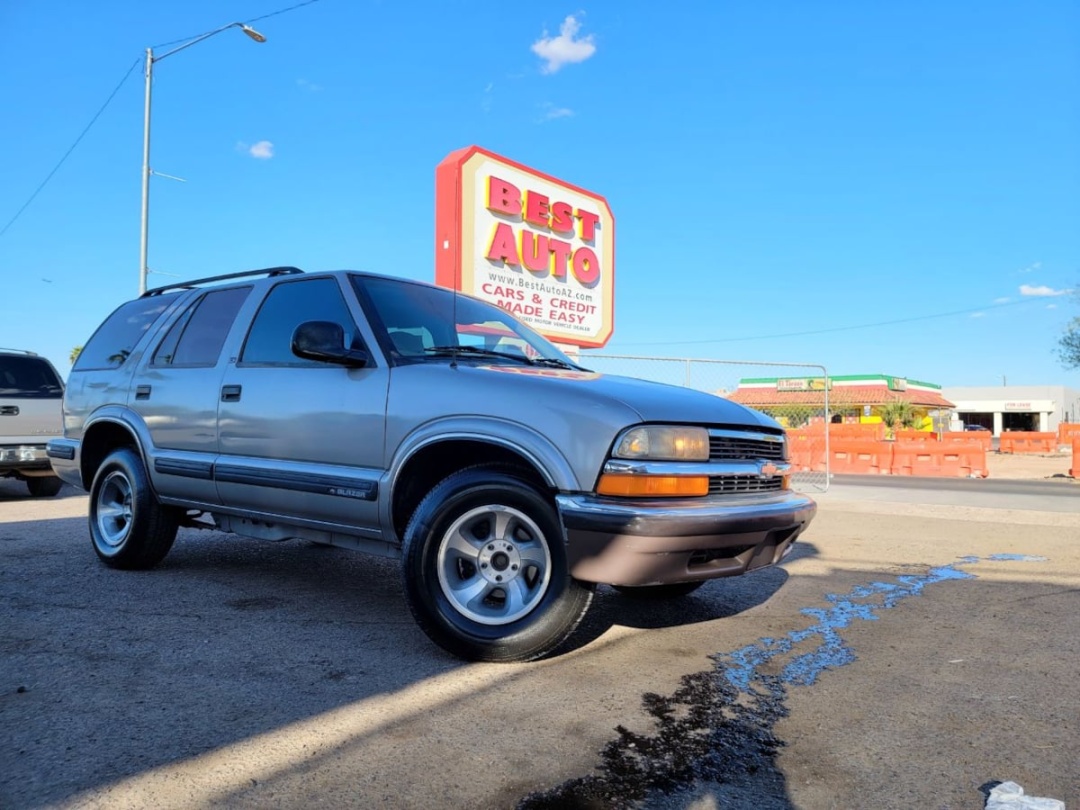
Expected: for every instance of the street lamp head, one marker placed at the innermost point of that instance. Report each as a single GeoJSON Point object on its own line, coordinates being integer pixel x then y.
{"type": "Point", "coordinates": [251, 32]}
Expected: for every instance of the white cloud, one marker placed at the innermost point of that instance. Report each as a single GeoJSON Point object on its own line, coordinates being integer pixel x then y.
{"type": "Point", "coordinates": [263, 150]}
{"type": "Point", "coordinates": [1031, 268]}
{"type": "Point", "coordinates": [564, 49]}
{"type": "Point", "coordinates": [978, 314]}
{"type": "Point", "coordinates": [310, 86]}
{"type": "Point", "coordinates": [1004, 300]}
{"type": "Point", "coordinates": [1027, 289]}
{"type": "Point", "coordinates": [1051, 306]}
{"type": "Point", "coordinates": [551, 112]}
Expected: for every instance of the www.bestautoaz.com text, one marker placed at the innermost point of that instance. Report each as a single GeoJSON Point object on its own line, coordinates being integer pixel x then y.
{"type": "Point", "coordinates": [534, 299]}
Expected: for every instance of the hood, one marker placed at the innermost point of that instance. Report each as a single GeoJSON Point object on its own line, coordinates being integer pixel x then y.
{"type": "Point", "coordinates": [652, 401]}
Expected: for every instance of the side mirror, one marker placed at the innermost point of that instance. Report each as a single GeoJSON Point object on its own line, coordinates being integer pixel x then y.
{"type": "Point", "coordinates": [325, 341]}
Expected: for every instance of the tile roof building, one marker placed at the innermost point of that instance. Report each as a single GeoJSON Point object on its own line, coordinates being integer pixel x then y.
{"type": "Point", "coordinates": [851, 398]}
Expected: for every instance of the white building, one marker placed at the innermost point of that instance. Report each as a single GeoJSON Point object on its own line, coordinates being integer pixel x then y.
{"type": "Point", "coordinates": [1015, 407]}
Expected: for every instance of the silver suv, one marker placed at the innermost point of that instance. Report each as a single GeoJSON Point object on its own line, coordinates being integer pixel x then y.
{"type": "Point", "coordinates": [405, 420]}
{"type": "Point", "coordinates": [31, 394]}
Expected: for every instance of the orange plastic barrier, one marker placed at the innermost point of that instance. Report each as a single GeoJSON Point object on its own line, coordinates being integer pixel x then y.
{"type": "Point", "coordinates": [869, 430]}
{"type": "Point", "coordinates": [984, 437]}
{"type": "Point", "coordinates": [806, 449]}
{"type": "Point", "coordinates": [1067, 431]}
{"type": "Point", "coordinates": [1075, 471]}
{"type": "Point", "coordinates": [915, 436]}
{"type": "Point", "coordinates": [1027, 442]}
{"type": "Point", "coordinates": [806, 456]}
{"type": "Point", "coordinates": [859, 457]}
{"type": "Point", "coordinates": [951, 460]}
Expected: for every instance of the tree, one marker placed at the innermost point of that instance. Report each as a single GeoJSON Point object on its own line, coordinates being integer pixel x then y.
{"type": "Point", "coordinates": [1069, 345]}
{"type": "Point", "coordinates": [75, 354]}
{"type": "Point", "coordinates": [899, 413]}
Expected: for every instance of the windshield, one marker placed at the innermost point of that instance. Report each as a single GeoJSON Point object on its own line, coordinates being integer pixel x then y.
{"type": "Point", "coordinates": [422, 321]}
{"type": "Point", "coordinates": [28, 378]}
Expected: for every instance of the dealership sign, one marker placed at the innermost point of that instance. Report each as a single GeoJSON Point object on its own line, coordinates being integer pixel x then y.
{"type": "Point", "coordinates": [540, 248]}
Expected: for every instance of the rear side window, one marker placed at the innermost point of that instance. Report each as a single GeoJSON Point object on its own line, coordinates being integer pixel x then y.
{"type": "Point", "coordinates": [197, 337]}
{"type": "Point", "coordinates": [287, 306]}
{"type": "Point", "coordinates": [28, 378]}
{"type": "Point", "coordinates": [116, 338]}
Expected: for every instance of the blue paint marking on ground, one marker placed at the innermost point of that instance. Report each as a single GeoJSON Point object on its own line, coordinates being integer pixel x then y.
{"type": "Point", "coordinates": [741, 666]}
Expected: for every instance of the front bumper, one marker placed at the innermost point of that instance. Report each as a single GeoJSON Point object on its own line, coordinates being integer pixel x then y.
{"type": "Point", "coordinates": [619, 542]}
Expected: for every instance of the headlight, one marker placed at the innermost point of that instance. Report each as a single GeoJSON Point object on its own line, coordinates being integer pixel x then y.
{"type": "Point", "coordinates": [664, 443]}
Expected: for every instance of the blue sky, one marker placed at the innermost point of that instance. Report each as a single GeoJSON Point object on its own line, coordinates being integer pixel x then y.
{"type": "Point", "coordinates": [776, 170]}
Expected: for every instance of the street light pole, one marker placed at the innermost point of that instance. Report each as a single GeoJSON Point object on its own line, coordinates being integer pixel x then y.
{"type": "Point", "coordinates": [144, 268]}
{"type": "Point", "coordinates": [143, 246]}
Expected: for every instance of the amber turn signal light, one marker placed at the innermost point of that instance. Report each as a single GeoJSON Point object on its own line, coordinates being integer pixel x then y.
{"type": "Point", "coordinates": [653, 486]}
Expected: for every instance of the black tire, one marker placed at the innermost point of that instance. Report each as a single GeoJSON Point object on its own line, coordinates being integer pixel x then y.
{"type": "Point", "coordinates": [673, 590]}
{"type": "Point", "coordinates": [44, 487]}
{"type": "Point", "coordinates": [506, 528]}
{"type": "Point", "coordinates": [128, 527]}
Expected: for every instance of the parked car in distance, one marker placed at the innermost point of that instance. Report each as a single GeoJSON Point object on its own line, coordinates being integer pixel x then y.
{"type": "Point", "coordinates": [407, 420]}
{"type": "Point", "coordinates": [976, 427]}
{"type": "Point", "coordinates": [31, 396]}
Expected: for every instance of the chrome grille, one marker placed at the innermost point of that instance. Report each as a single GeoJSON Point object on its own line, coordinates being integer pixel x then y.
{"type": "Point", "coordinates": [731, 447]}
{"type": "Point", "coordinates": [730, 484]}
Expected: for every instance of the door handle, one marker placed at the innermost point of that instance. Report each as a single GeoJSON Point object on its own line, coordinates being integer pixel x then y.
{"type": "Point", "coordinates": [142, 392]}
{"type": "Point", "coordinates": [230, 393]}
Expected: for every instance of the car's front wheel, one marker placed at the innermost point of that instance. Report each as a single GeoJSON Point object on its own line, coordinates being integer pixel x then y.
{"type": "Point", "coordinates": [485, 568]}
{"type": "Point", "coordinates": [128, 527]}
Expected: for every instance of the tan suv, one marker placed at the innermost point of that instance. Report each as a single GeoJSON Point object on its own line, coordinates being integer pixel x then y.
{"type": "Point", "coordinates": [31, 399]}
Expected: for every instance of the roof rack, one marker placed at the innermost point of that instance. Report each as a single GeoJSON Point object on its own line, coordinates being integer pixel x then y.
{"type": "Point", "coordinates": [188, 285]}
{"type": "Point", "coordinates": [19, 351]}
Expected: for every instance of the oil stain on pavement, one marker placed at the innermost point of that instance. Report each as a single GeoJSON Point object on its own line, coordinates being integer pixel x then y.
{"type": "Point", "coordinates": [715, 735]}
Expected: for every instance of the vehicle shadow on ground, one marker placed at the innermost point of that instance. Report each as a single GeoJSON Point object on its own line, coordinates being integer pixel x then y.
{"type": "Point", "coordinates": [12, 489]}
{"type": "Point", "coordinates": [718, 599]}
{"type": "Point", "coordinates": [229, 639]}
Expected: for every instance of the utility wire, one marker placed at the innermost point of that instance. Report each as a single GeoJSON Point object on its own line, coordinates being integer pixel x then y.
{"type": "Point", "coordinates": [112, 95]}
{"type": "Point", "coordinates": [280, 11]}
{"type": "Point", "coordinates": [71, 149]}
{"type": "Point", "coordinates": [834, 328]}
{"type": "Point", "coordinates": [246, 22]}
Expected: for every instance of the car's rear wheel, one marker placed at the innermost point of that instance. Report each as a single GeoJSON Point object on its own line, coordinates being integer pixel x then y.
{"type": "Point", "coordinates": [671, 591]}
{"type": "Point", "coordinates": [44, 486]}
{"type": "Point", "coordinates": [129, 528]}
{"type": "Point", "coordinates": [485, 568]}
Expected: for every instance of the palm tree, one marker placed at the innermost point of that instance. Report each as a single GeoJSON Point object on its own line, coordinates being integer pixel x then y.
{"type": "Point", "coordinates": [899, 413]}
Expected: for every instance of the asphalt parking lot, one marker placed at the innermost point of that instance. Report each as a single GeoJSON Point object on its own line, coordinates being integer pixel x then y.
{"type": "Point", "coordinates": [918, 646]}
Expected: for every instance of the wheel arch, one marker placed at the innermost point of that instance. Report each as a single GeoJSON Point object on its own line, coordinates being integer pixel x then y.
{"type": "Point", "coordinates": [101, 436]}
{"type": "Point", "coordinates": [438, 451]}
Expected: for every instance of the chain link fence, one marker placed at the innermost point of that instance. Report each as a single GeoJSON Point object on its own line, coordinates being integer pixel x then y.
{"type": "Point", "coordinates": [795, 394]}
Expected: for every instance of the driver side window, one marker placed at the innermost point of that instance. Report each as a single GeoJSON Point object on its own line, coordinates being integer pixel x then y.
{"type": "Point", "coordinates": [289, 304]}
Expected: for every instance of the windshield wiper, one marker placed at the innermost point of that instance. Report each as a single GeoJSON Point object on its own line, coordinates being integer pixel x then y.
{"type": "Point", "coordinates": [476, 351]}
{"type": "Point", "coordinates": [554, 362]}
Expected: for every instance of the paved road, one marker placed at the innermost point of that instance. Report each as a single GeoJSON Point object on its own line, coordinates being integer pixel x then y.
{"type": "Point", "coordinates": [908, 653]}
{"type": "Point", "coordinates": [993, 493]}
